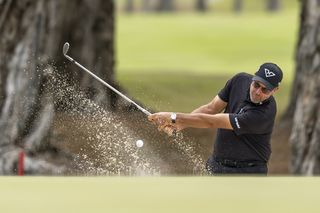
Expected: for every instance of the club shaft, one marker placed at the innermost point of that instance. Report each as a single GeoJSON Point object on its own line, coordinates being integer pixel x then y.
{"type": "Point", "coordinates": [109, 86]}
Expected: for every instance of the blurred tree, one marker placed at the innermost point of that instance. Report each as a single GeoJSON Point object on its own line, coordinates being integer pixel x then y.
{"type": "Point", "coordinates": [201, 5]}
{"type": "Point", "coordinates": [149, 5]}
{"type": "Point", "coordinates": [129, 6]}
{"type": "Point", "coordinates": [237, 6]}
{"type": "Point", "coordinates": [165, 5]}
{"type": "Point", "coordinates": [305, 98]}
{"type": "Point", "coordinates": [32, 35]}
{"type": "Point", "coordinates": [273, 5]}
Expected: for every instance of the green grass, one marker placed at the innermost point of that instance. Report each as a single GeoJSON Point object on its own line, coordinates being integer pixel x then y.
{"type": "Point", "coordinates": [159, 194]}
{"type": "Point", "coordinates": [176, 62]}
{"type": "Point", "coordinates": [204, 43]}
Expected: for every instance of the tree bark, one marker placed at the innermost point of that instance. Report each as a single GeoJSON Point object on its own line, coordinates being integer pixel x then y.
{"type": "Point", "coordinates": [32, 36]}
{"type": "Point", "coordinates": [305, 135]}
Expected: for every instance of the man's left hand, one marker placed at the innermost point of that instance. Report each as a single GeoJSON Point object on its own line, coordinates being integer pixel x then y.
{"type": "Point", "coordinates": [164, 123]}
{"type": "Point", "coordinates": [160, 118]}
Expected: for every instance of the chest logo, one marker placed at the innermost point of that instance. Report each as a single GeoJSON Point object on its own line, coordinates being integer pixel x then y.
{"type": "Point", "coordinates": [268, 73]}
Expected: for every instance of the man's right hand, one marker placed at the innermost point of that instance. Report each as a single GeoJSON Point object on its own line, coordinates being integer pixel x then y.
{"type": "Point", "coordinates": [169, 130]}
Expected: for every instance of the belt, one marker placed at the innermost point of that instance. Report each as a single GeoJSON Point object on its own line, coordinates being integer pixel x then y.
{"type": "Point", "coordinates": [239, 164]}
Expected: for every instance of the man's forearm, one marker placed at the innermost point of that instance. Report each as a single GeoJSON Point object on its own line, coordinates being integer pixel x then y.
{"type": "Point", "coordinates": [215, 106]}
{"type": "Point", "coordinates": [203, 109]}
{"type": "Point", "coordinates": [201, 120]}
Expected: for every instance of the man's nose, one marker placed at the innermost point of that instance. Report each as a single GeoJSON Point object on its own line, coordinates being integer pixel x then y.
{"type": "Point", "coordinates": [258, 91]}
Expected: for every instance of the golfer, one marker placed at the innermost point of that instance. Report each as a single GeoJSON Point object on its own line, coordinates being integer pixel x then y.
{"type": "Point", "coordinates": [244, 112]}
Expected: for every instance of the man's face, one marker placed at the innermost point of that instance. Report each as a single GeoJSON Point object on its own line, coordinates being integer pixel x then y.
{"type": "Point", "coordinates": [259, 92]}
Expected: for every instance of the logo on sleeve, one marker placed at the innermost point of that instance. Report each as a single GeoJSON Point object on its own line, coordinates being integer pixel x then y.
{"type": "Point", "coordinates": [268, 73]}
{"type": "Point", "coordinates": [237, 122]}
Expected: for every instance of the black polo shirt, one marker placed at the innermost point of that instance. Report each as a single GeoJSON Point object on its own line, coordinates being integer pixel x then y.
{"type": "Point", "coordinates": [252, 123]}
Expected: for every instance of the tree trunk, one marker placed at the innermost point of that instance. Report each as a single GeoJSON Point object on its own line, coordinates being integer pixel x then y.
{"type": "Point", "coordinates": [201, 5]}
{"type": "Point", "coordinates": [129, 7]}
{"type": "Point", "coordinates": [165, 5]}
{"type": "Point", "coordinates": [237, 6]}
{"type": "Point", "coordinates": [273, 5]}
{"type": "Point", "coordinates": [305, 135]}
{"type": "Point", "coordinates": [32, 36]}
{"type": "Point", "coordinates": [148, 5]}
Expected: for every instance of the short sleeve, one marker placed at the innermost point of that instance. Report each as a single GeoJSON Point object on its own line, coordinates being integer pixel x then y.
{"type": "Point", "coordinates": [252, 122]}
{"type": "Point", "coordinates": [225, 91]}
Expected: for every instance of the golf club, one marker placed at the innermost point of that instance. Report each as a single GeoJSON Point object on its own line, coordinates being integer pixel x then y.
{"type": "Point", "coordinates": [66, 47]}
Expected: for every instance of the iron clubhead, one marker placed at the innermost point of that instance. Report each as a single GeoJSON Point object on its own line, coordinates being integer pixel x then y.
{"type": "Point", "coordinates": [65, 48]}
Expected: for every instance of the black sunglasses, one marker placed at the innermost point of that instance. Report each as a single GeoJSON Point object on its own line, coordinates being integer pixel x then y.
{"type": "Point", "coordinates": [264, 90]}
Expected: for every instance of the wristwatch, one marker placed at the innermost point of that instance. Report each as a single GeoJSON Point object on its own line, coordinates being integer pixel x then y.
{"type": "Point", "coordinates": [173, 117]}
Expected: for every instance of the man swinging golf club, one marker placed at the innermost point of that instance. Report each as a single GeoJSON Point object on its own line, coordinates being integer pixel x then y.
{"type": "Point", "coordinates": [244, 113]}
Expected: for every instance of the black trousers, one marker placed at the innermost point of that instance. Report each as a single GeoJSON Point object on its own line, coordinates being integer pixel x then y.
{"type": "Point", "coordinates": [215, 167]}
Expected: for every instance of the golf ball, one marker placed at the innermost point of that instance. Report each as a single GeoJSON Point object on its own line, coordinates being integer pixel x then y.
{"type": "Point", "coordinates": [139, 143]}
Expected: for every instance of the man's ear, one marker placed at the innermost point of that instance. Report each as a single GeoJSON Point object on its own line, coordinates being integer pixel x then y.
{"type": "Point", "coordinates": [275, 89]}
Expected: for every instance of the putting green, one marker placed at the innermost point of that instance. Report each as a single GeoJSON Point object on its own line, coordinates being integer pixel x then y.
{"type": "Point", "coordinates": [159, 194]}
